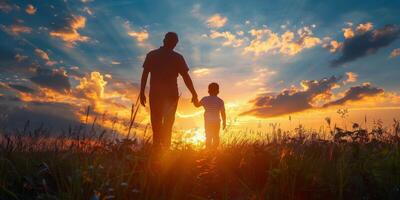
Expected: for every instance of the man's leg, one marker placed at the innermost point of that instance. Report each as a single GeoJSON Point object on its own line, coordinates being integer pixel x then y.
{"type": "Point", "coordinates": [156, 115]}
{"type": "Point", "coordinates": [170, 106]}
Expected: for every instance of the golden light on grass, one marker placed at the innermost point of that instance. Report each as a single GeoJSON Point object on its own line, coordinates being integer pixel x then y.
{"type": "Point", "coordinates": [193, 137]}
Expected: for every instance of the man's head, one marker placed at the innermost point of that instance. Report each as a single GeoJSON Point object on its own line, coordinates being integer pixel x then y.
{"type": "Point", "coordinates": [213, 89]}
{"type": "Point", "coordinates": [170, 40]}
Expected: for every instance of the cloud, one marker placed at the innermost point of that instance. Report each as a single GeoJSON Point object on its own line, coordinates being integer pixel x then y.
{"type": "Point", "coordinates": [140, 36]}
{"type": "Point", "coordinates": [22, 88]}
{"type": "Point", "coordinates": [53, 79]}
{"type": "Point", "coordinates": [333, 46]}
{"type": "Point", "coordinates": [12, 62]}
{"type": "Point", "coordinates": [75, 72]}
{"type": "Point", "coordinates": [87, 10]}
{"type": "Point", "coordinates": [113, 62]}
{"type": "Point", "coordinates": [366, 42]}
{"type": "Point", "coordinates": [395, 53]}
{"type": "Point", "coordinates": [216, 21]}
{"type": "Point", "coordinates": [30, 9]}
{"type": "Point", "coordinates": [9, 87]}
{"type": "Point", "coordinates": [20, 57]}
{"type": "Point", "coordinates": [118, 95]}
{"type": "Point", "coordinates": [348, 33]}
{"type": "Point", "coordinates": [6, 8]}
{"type": "Point", "coordinates": [69, 33]}
{"type": "Point", "coordinates": [230, 39]}
{"type": "Point", "coordinates": [92, 88]}
{"type": "Point", "coordinates": [16, 29]}
{"type": "Point", "coordinates": [293, 100]}
{"type": "Point", "coordinates": [44, 56]}
{"type": "Point", "coordinates": [257, 79]}
{"type": "Point", "coordinates": [201, 72]}
{"type": "Point", "coordinates": [351, 77]}
{"type": "Point", "coordinates": [54, 115]}
{"type": "Point", "coordinates": [362, 28]}
{"type": "Point", "coordinates": [356, 93]}
{"type": "Point", "coordinates": [114, 97]}
{"type": "Point", "coordinates": [124, 90]}
{"type": "Point", "coordinates": [267, 41]}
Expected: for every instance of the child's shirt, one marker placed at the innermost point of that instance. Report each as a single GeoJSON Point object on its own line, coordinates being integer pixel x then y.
{"type": "Point", "coordinates": [213, 105]}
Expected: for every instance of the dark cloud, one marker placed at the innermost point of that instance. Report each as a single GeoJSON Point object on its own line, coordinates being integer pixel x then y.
{"type": "Point", "coordinates": [9, 92]}
{"type": "Point", "coordinates": [6, 7]}
{"type": "Point", "coordinates": [13, 62]}
{"type": "Point", "coordinates": [8, 99]}
{"type": "Point", "coordinates": [57, 116]}
{"type": "Point", "coordinates": [356, 93]}
{"type": "Point", "coordinates": [53, 79]}
{"type": "Point", "coordinates": [293, 100]}
{"type": "Point", "coordinates": [124, 87]}
{"type": "Point", "coordinates": [69, 33]}
{"type": "Point", "coordinates": [75, 72]}
{"type": "Point", "coordinates": [366, 43]}
{"type": "Point", "coordinates": [22, 88]}
{"type": "Point", "coordinates": [6, 55]}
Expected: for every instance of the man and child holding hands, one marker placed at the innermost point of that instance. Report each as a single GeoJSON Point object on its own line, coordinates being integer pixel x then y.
{"type": "Point", "coordinates": [164, 65]}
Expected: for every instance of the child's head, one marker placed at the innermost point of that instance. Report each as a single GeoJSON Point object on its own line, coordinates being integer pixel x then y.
{"type": "Point", "coordinates": [213, 89]}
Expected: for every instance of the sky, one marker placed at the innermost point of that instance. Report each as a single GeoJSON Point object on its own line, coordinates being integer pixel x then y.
{"type": "Point", "coordinates": [280, 62]}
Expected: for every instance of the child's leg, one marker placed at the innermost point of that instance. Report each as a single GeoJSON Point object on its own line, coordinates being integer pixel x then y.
{"type": "Point", "coordinates": [216, 139]}
{"type": "Point", "coordinates": [215, 136]}
{"type": "Point", "coordinates": [208, 130]}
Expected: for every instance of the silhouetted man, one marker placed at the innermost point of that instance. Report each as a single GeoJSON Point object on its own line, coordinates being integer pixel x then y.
{"type": "Point", "coordinates": [164, 65]}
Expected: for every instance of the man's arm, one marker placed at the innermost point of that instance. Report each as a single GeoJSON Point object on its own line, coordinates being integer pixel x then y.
{"type": "Point", "coordinates": [189, 84]}
{"type": "Point", "coordinates": [145, 75]}
{"type": "Point", "coordinates": [197, 103]}
{"type": "Point", "coordinates": [223, 115]}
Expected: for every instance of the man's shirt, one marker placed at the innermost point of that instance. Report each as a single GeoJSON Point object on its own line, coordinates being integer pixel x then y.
{"type": "Point", "coordinates": [164, 65]}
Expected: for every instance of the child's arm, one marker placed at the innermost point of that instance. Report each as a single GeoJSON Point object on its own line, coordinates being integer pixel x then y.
{"type": "Point", "coordinates": [197, 103]}
{"type": "Point", "coordinates": [223, 115]}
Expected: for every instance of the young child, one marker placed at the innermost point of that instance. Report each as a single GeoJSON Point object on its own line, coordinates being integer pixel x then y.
{"type": "Point", "coordinates": [214, 107]}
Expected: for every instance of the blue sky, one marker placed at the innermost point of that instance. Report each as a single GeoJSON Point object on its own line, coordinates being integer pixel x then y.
{"type": "Point", "coordinates": [254, 49]}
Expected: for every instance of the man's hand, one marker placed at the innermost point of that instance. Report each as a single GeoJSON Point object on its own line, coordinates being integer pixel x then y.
{"type": "Point", "coordinates": [189, 85]}
{"type": "Point", "coordinates": [195, 98]}
{"type": "Point", "coordinates": [142, 99]}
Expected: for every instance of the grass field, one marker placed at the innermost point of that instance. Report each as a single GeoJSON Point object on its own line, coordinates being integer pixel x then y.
{"type": "Point", "coordinates": [353, 164]}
